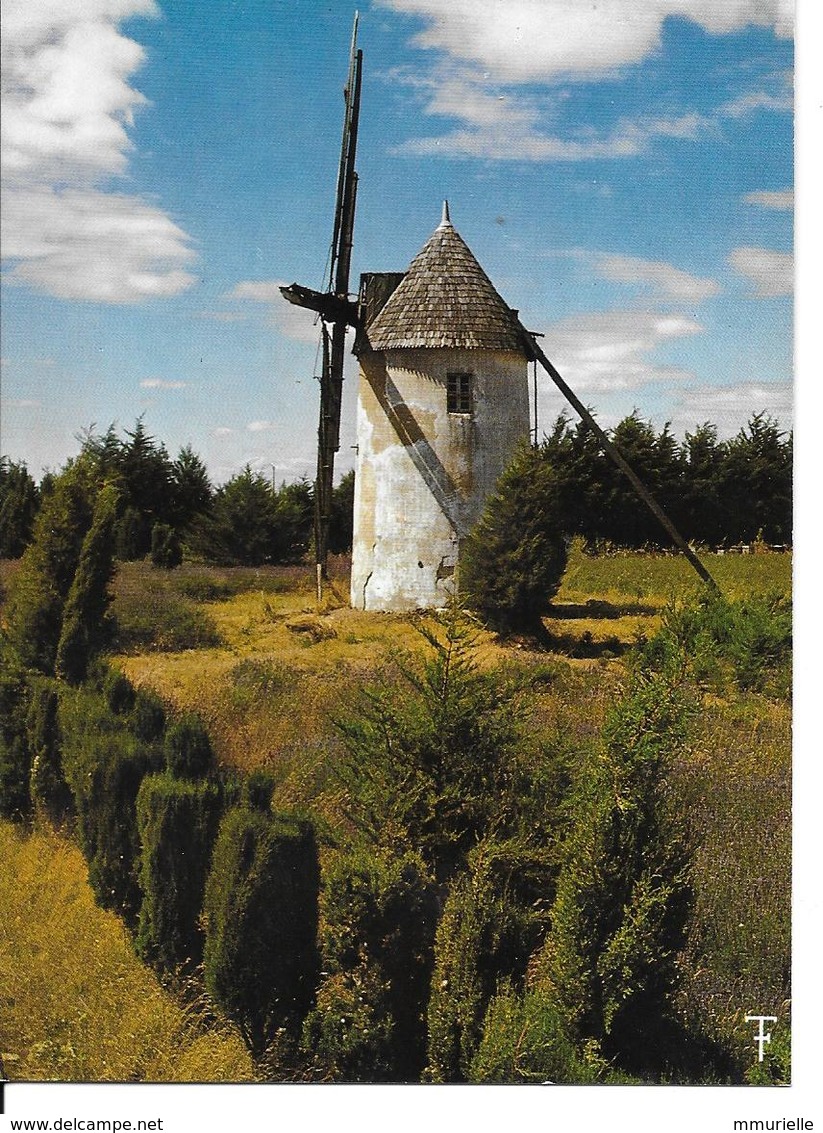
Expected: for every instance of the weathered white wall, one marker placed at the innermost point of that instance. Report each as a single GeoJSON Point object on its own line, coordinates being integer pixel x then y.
{"type": "Point", "coordinates": [423, 474]}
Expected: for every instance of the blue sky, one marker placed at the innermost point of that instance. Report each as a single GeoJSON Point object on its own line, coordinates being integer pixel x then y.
{"type": "Point", "coordinates": [623, 172]}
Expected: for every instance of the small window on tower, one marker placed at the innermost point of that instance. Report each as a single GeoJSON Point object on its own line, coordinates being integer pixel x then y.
{"type": "Point", "coordinates": [459, 393]}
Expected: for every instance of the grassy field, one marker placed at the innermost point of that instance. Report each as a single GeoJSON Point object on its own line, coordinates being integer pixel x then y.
{"type": "Point", "coordinates": [270, 671]}
{"type": "Point", "coordinates": [75, 1002]}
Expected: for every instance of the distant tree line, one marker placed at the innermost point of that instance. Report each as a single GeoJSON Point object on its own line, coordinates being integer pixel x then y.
{"type": "Point", "coordinates": [166, 507]}
{"type": "Point", "coordinates": [717, 492]}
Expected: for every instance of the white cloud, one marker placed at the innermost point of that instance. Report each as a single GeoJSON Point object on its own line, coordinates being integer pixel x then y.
{"type": "Point", "coordinates": [752, 101]}
{"type": "Point", "coordinates": [614, 350]}
{"type": "Point", "coordinates": [297, 323]}
{"type": "Point", "coordinates": [75, 116]}
{"type": "Point", "coordinates": [663, 277]}
{"type": "Point", "coordinates": [160, 383]}
{"type": "Point", "coordinates": [508, 128]}
{"type": "Point", "coordinates": [497, 145]}
{"type": "Point", "coordinates": [782, 200]}
{"type": "Point", "coordinates": [22, 403]}
{"type": "Point", "coordinates": [223, 431]}
{"type": "Point", "coordinates": [770, 272]}
{"type": "Point", "coordinates": [261, 426]}
{"type": "Point", "coordinates": [32, 21]}
{"type": "Point", "coordinates": [731, 407]}
{"type": "Point", "coordinates": [499, 126]}
{"type": "Point", "coordinates": [258, 291]}
{"type": "Point", "coordinates": [87, 244]}
{"type": "Point", "coordinates": [518, 40]}
{"type": "Point", "coordinates": [487, 48]}
{"type": "Point", "coordinates": [67, 108]}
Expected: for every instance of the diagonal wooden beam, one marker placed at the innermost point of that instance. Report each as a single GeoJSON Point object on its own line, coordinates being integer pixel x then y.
{"type": "Point", "coordinates": [614, 452]}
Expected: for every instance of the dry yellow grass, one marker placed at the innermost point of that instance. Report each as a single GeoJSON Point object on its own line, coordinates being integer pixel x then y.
{"type": "Point", "coordinates": [292, 629]}
{"type": "Point", "coordinates": [315, 661]}
{"type": "Point", "coordinates": [75, 1003]}
{"type": "Point", "coordinates": [286, 666]}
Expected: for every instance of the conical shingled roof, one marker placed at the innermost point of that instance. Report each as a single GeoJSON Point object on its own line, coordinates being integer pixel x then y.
{"type": "Point", "coordinates": [446, 299]}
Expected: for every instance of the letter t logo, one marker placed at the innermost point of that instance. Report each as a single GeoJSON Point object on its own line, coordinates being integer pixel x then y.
{"type": "Point", "coordinates": [763, 1036]}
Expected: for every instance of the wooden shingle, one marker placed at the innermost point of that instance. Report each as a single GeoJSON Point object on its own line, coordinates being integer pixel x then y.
{"type": "Point", "coordinates": [446, 300]}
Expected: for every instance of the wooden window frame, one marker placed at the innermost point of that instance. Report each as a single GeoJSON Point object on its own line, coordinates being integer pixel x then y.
{"type": "Point", "coordinates": [460, 392]}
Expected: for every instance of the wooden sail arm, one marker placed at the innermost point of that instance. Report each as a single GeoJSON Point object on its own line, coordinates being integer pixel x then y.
{"type": "Point", "coordinates": [336, 311]}
{"type": "Point", "coordinates": [618, 458]}
{"type": "Point", "coordinates": [331, 308]}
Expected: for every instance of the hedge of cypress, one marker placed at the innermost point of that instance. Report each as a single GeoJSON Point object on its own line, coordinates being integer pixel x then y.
{"type": "Point", "coordinates": [261, 909]}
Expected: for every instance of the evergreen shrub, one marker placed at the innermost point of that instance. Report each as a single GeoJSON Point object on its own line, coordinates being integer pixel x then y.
{"type": "Point", "coordinates": [485, 937]}
{"type": "Point", "coordinates": [432, 763]}
{"type": "Point", "coordinates": [623, 894]}
{"type": "Point", "coordinates": [119, 692]}
{"type": "Point", "coordinates": [15, 757]}
{"type": "Point", "coordinates": [41, 585]}
{"type": "Point", "coordinates": [177, 823]}
{"type": "Point", "coordinates": [744, 642]}
{"type": "Point", "coordinates": [261, 959]}
{"type": "Point", "coordinates": [148, 717]}
{"type": "Point", "coordinates": [524, 1040]}
{"type": "Point", "coordinates": [131, 535]}
{"type": "Point", "coordinates": [188, 748]}
{"type": "Point", "coordinates": [166, 551]}
{"type": "Point", "coordinates": [104, 764]}
{"type": "Point", "coordinates": [378, 922]}
{"type": "Point", "coordinates": [19, 501]}
{"type": "Point", "coordinates": [49, 791]}
{"type": "Point", "coordinates": [86, 626]}
{"type": "Point", "coordinates": [512, 563]}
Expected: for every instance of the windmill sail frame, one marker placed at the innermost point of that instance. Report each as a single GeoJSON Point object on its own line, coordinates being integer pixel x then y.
{"type": "Point", "coordinates": [336, 311]}
{"type": "Point", "coordinates": [334, 345]}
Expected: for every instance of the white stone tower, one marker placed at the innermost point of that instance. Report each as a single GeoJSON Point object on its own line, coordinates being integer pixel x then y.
{"type": "Point", "coordinates": [443, 403]}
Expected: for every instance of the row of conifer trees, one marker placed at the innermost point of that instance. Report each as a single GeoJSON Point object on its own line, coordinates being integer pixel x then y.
{"type": "Point", "coordinates": [79, 746]}
{"type": "Point", "coordinates": [430, 914]}
{"type": "Point", "coordinates": [718, 492]}
{"type": "Point", "coordinates": [194, 862]}
{"type": "Point", "coordinates": [166, 504]}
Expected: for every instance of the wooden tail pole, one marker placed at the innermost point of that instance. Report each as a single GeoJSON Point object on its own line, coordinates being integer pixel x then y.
{"type": "Point", "coordinates": [618, 458]}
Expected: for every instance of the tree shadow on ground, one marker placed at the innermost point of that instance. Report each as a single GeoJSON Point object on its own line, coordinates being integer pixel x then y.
{"type": "Point", "coordinates": [597, 608]}
{"type": "Point", "coordinates": [584, 646]}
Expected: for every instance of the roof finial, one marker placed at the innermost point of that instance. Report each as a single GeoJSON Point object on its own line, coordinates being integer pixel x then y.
{"type": "Point", "coordinates": [446, 220]}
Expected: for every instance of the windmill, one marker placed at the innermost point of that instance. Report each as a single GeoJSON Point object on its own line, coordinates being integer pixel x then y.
{"type": "Point", "coordinates": [336, 311]}
{"type": "Point", "coordinates": [443, 399]}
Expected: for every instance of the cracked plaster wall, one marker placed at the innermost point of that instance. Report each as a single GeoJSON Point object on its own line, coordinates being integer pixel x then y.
{"type": "Point", "coordinates": [422, 473]}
